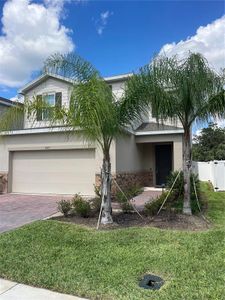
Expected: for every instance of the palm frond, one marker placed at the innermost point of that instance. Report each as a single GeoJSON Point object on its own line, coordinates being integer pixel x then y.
{"type": "Point", "coordinates": [70, 65]}
{"type": "Point", "coordinates": [12, 118]}
{"type": "Point", "coordinates": [94, 110]}
{"type": "Point", "coordinates": [185, 89]}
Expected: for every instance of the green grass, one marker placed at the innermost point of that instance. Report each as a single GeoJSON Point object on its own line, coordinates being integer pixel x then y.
{"type": "Point", "coordinates": [108, 264]}
{"type": "Point", "coordinates": [216, 205]}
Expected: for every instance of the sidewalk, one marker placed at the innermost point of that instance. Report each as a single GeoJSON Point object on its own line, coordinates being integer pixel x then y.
{"type": "Point", "coordinates": [15, 291]}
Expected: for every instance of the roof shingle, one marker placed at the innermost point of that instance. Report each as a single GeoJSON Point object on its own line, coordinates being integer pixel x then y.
{"type": "Point", "coordinates": [151, 126]}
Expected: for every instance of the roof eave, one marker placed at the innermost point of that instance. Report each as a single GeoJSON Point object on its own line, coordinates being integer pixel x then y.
{"type": "Point", "coordinates": [43, 77]}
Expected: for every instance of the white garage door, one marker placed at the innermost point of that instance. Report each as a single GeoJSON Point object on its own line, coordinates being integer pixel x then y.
{"type": "Point", "coordinates": [54, 171]}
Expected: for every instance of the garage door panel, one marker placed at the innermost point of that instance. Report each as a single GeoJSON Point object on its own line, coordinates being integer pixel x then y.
{"type": "Point", "coordinates": [58, 171]}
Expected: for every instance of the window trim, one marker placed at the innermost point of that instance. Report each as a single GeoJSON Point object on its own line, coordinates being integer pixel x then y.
{"type": "Point", "coordinates": [47, 94]}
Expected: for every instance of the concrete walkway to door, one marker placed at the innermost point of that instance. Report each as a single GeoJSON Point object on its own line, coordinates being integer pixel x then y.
{"type": "Point", "coordinates": [149, 194]}
{"type": "Point", "coordinates": [17, 209]}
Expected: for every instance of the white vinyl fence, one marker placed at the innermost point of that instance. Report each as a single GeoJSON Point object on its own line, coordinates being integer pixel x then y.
{"type": "Point", "coordinates": [213, 171]}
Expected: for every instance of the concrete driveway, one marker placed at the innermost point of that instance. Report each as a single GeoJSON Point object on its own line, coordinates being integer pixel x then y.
{"type": "Point", "coordinates": [17, 210]}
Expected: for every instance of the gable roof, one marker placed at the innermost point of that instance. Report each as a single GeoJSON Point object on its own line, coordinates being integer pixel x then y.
{"type": "Point", "coordinates": [41, 79]}
{"type": "Point", "coordinates": [44, 77]}
{"type": "Point", "coordinates": [7, 102]}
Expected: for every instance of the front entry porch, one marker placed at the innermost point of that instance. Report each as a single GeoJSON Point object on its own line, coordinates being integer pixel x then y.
{"type": "Point", "coordinates": [158, 159]}
{"type": "Point", "coordinates": [160, 155]}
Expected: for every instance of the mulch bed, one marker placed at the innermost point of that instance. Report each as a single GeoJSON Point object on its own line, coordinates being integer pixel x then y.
{"type": "Point", "coordinates": [165, 220]}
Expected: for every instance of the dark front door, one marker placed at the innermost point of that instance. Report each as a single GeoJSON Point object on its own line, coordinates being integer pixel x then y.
{"type": "Point", "coordinates": [163, 162]}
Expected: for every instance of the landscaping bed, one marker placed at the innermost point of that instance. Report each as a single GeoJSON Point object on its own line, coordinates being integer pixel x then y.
{"type": "Point", "coordinates": [86, 212]}
{"type": "Point", "coordinates": [165, 220]}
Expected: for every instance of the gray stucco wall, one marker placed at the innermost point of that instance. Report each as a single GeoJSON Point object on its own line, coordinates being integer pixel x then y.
{"type": "Point", "coordinates": [129, 155]}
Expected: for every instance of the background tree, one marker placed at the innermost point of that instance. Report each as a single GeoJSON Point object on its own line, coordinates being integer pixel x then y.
{"type": "Point", "coordinates": [187, 90]}
{"type": "Point", "coordinates": [209, 144]}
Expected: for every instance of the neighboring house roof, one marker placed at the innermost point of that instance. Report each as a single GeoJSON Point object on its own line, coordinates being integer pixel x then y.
{"type": "Point", "coordinates": [7, 102]}
{"type": "Point", "coordinates": [152, 128]}
{"type": "Point", "coordinates": [43, 77]}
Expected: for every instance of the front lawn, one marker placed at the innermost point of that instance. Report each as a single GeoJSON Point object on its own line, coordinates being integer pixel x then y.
{"type": "Point", "coordinates": [108, 264]}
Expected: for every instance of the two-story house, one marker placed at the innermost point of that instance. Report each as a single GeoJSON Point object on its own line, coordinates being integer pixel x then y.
{"type": "Point", "coordinates": [40, 159]}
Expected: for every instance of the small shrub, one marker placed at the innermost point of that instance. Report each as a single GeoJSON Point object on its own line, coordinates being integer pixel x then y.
{"type": "Point", "coordinates": [127, 194]}
{"type": "Point", "coordinates": [134, 191]}
{"type": "Point", "coordinates": [126, 207]}
{"type": "Point", "coordinates": [64, 206]}
{"type": "Point", "coordinates": [124, 203]}
{"type": "Point", "coordinates": [178, 191]}
{"type": "Point", "coordinates": [174, 201]}
{"type": "Point", "coordinates": [97, 190]}
{"type": "Point", "coordinates": [96, 204]}
{"type": "Point", "coordinates": [81, 207]}
{"type": "Point", "coordinates": [179, 185]}
{"type": "Point", "coordinates": [152, 206]}
{"type": "Point", "coordinates": [120, 197]}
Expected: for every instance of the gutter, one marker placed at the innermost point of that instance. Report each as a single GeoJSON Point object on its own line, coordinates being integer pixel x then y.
{"type": "Point", "coordinates": [36, 131]}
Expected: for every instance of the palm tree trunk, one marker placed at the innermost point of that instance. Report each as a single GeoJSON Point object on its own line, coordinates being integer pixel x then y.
{"type": "Point", "coordinates": [187, 172]}
{"type": "Point", "coordinates": [106, 217]}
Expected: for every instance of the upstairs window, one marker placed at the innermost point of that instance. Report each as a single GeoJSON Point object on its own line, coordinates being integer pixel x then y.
{"type": "Point", "coordinates": [51, 100]}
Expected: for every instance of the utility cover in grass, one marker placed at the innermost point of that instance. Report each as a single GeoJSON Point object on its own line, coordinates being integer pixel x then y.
{"type": "Point", "coordinates": [151, 282]}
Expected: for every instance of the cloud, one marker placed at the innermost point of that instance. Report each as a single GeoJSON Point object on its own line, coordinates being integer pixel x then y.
{"type": "Point", "coordinates": [102, 21]}
{"type": "Point", "coordinates": [209, 40]}
{"type": "Point", "coordinates": [220, 122]}
{"type": "Point", "coordinates": [30, 33]}
{"type": "Point", "coordinates": [198, 132]}
{"type": "Point", "coordinates": [104, 16]}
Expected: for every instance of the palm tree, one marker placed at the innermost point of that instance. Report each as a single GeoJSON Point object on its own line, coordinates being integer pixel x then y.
{"type": "Point", "coordinates": [12, 118]}
{"type": "Point", "coordinates": [187, 90]}
{"type": "Point", "coordinates": [93, 113]}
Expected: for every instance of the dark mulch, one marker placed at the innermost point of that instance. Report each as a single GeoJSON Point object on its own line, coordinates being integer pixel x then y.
{"type": "Point", "coordinates": [165, 220]}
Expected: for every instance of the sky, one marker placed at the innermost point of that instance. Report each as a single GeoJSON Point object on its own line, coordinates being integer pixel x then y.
{"type": "Point", "coordinates": [116, 36]}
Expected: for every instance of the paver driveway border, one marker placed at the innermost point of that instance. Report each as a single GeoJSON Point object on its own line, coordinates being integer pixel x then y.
{"type": "Point", "coordinates": [17, 210]}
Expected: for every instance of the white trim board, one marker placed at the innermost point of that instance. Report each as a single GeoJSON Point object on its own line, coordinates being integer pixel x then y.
{"type": "Point", "coordinates": [158, 132]}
